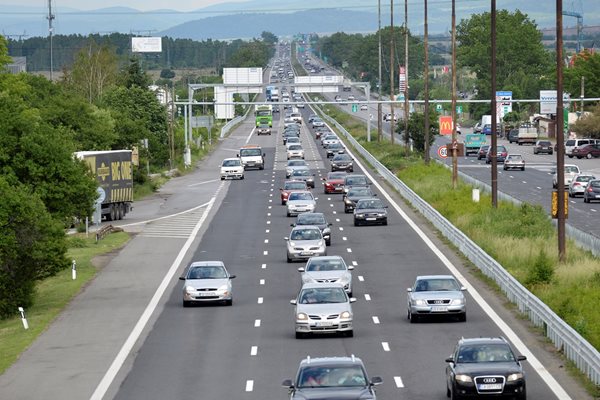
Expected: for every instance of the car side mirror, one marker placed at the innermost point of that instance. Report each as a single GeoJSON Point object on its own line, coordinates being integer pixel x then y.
{"type": "Point", "coordinates": [231, 276]}
{"type": "Point", "coordinates": [293, 302]}
{"type": "Point", "coordinates": [521, 358]}
{"type": "Point", "coordinates": [182, 278]}
{"type": "Point", "coordinates": [352, 299]}
{"type": "Point", "coordinates": [385, 206]}
{"type": "Point", "coordinates": [351, 268]}
{"type": "Point", "coordinates": [374, 194]}
{"type": "Point", "coordinates": [376, 380]}
{"type": "Point", "coordinates": [323, 179]}
{"type": "Point", "coordinates": [288, 384]}
{"type": "Point", "coordinates": [237, 155]}
{"type": "Point", "coordinates": [264, 154]}
{"type": "Point", "coordinates": [462, 288]}
{"type": "Point", "coordinates": [300, 269]}
{"type": "Point", "coordinates": [286, 238]}
{"type": "Point", "coordinates": [294, 224]}
{"type": "Point", "coordinates": [409, 290]}
{"type": "Point", "coordinates": [450, 360]}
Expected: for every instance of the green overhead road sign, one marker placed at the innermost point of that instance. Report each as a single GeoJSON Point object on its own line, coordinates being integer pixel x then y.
{"type": "Point", "coordinates": [354, 107]}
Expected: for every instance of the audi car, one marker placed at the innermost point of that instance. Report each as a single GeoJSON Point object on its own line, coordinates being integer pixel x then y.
{"type": "Point", "coordinates": [370, 211]}
{"type": "Point", "coordinates": [435, 295]}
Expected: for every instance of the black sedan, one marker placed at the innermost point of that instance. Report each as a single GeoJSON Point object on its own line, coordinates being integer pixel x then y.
{"type": "Point", "coordinates": [356, 194]}
{"type": "Point", "coordinates": [342, 162]}
{"type": "Point", "coordinates": [334, 148]}
{"type": "Point", "coordinates": [485, 367]}
{"type": "Point", "coordinates": [370, 211]}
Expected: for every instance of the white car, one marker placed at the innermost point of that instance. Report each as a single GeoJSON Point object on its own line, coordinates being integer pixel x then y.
{"type": "Point", "coordinates": [299, 202]}
{"type": "Point", "coordinates": [364, 107]}
{"type": "Point", "coordinates": [329, 139]}
{"type": "Point", "coordinates": [571, 171]}
{"type": "Point", "coordinates": [295, 150]}
{"type": "Point", "coordinates": [207, 281]}
{"type": "Point", "coordinates": [292, 165]}
{"type": "Point", "coordinates": [579, 183]}
{"type": "Point", "coordinates": [304, 242]}
{"type": "Point", "coordinates": [328, 269]}
{"type": "Point", "coordinates": [232, 168]}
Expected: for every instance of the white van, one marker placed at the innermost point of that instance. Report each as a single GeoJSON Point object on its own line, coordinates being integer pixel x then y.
{"type": "Point", "coordinates": [252, 157]}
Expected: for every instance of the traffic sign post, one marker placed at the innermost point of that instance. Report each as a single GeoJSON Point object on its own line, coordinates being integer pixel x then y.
{"type": "Point", "coordinates": [459, 109]}
{"type": "Point", "coordinates": [438, 107]}
{"type": "Point", "coordinates": [442, 151]}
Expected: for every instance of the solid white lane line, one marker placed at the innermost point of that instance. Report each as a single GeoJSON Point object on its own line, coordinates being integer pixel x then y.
{"type": "Point", "coordinates": [133, 337]}
{"type": "Point", "coordinates": [254, 350]}
{"type": "Point", "coordinates": [260, 300]}
{"type": "Point", "coordinates": [361, 278]}
{"type": "Point", "coordinates": [521, 347]}
{"type": "Point", "coordinates": [386, 346]}
{"type": "Point", "coordinates": [249, 385]}
{"type": "Point", "coordinates": [367, 297]}
{"type": "Point", "coordinates": [261, 282]}
{"type": "Point", "coordinates": [375, 319]}
{"type": "Point", "coordinates": [257, 323]}
{"type": "Point", "coordinates": [203, 183]}
{"type": "Point", "coordinates": [399, 383]}
{"type": "Point", "coordinates": [167, 216]}
{"type": "Point", "coordinates": [349, 250]}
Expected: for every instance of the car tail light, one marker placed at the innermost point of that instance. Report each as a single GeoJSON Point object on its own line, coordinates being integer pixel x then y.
{"type": "Point", "coordinates": [591, 190]}
{"type": "Point", "coordinates": [576, 184]}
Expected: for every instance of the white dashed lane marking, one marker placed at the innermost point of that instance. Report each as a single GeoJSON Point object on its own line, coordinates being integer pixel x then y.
{"type": "Point", "coordinates": [257, 323]}
{"type": "Point", "coordinates": [264, 266]}
{"type": "Point", "coordinates": [344, 238]}
{"type": "Point", "coordinates": [266, 253]}
{"type": "Point", "coordinates": [260, 300]}
{"type": "Point", "coordinates": [367, 297]}
{"type": "Point", "coordinates": [386, 346]}
{"type": "Point", "coordinates": [266, 240]}
{"type": "Point", "coordinates": [262, 282]}
{"type": "Point", "coordinates": [249, 385]}
{"type": "Point", "coordinates": [254, 350]}
{"type": "Point", "coordinates": [354, 263]}
{"type": "Point", "coordinates": [337, 220]}
{"type": "Point", "coordinates": [341, 228]}
{"type": "Point", "coordinates": [267, 230]}
{"type": "Point", "coordinates": [349, 250]}
{"type": "Point", "coordinates": [375, 319]}
{"type": "Point", "coordinates": [361, 278]}
{"type": "Point", "coordinates": [398, 381]}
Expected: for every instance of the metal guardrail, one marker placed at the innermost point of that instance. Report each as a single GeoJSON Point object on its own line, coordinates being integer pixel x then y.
{"type": "Point", "coordinates": [233, 123]}
{"type": "Point", "coordinates": [564, 337]}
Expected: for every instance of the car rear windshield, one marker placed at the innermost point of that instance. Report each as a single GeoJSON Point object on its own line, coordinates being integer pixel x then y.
{"type": "Point", "coordinates": [356, 180]}
{"type": "Point", "coordinates": [295, 186]}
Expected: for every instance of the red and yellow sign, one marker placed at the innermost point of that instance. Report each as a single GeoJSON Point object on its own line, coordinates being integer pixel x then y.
{"type": "Point", "coordinates": [446, 125]}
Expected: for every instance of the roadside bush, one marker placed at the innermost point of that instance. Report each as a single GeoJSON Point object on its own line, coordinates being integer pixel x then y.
{"type": "Point", "coordinates": [542, 270]}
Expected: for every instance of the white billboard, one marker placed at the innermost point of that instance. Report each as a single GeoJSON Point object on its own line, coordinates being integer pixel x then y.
{"type": "Point", "coordinates": [146, 44]}
{"type": "Point", "coordinates": [242, 76]}
{"type": "Point", "coordinates": [548, 101]}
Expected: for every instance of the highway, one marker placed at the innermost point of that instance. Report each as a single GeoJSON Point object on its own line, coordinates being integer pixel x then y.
{"type": "Point", "coordinates": [245, 351]}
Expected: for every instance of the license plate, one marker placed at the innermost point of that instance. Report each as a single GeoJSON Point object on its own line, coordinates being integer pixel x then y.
{"type": "Point", "coordinates": [324, 323]}
{"type": "Point", "coordinates": [598, 196]}
{"type": "Point", "coordinates": [439, 309]}
{"type": "Point", "coordinates": [490, 386]}
{"type": "Point", "coordinates": [306, 253]}
{"type": "Point", "coordinates": [370, 219]}
{"type": "Point", "coordinates": [206, 294]}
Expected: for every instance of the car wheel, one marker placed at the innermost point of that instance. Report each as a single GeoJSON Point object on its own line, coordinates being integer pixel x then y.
{"type": "Point", "coordinates": [570, 156]}
{"type": "Point", "coordinates": [384, 222]}
{"type": "Point", "coordinates": [289, 260]}
{"type": "Point", "coordinates": [229, 302]}
{"type": "Point", "coordinates": [589, 156]}
{"type": "Point", "coordinates": [356, 223]}
{"type": "Point", "coordinates": [550, 153]}
{"type": "Point", "coordinates": [413, 318]}
{"type": "Point", "coordinates": [299, 335]}
{"type": "Point", "coordinates": [523, 395]}
{"type": "Point", "coordinates": [454, 395]}
{"type": "Point", "coordinates": [505, 168]}
{"type": "Point", "coordinates": [585, 200]}
{"type": "Point", "coordinates": [448, 392]}
{"type": "Point", "coordinates": [347, 211]}
{"type": "Point", "coordinates": [289, 215]}
{"type": "Point", "coordinates": [570, 194]}
{"type": "Point", "coordinates": [328, 242]}
{"type": "Point", "coordinates": [463, 317]}
{"type": "Point", "coordinates": [523, 169]}
{"type": "Point", "coordinates": [350, 333]}
{"type": "Point", "coordinates": [186, 303]}
{"type": "Point", "coordinates": [242, 177]}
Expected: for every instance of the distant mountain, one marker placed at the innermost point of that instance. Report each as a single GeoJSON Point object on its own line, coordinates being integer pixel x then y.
{"type": "Point", "coordinates": [283, 17]}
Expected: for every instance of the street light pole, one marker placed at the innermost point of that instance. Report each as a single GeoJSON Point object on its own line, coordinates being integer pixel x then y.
{"type": "Point", "coordinates": [379, 116]}
{"type": "Point", "coordinates": [560, 137]}
{"type": "Point", "coordinates": [493, 149]}
{"type": "Point", "coordinates": [426, 87]}
{"type": "Point", "coordinates": [454, 143]}
{"type": "Point", "coordinates": [406, 106]}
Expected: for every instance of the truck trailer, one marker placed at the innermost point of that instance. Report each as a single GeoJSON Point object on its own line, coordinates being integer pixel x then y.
{"type": "Point", "coordinates": [113, 170]}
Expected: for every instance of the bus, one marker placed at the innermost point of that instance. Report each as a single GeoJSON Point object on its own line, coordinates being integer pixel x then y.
{"type": "Point", "coordinates": [264, 115]}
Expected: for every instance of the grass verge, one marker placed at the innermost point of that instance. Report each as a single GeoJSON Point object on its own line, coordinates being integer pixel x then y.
{"type": "Point", "coordinates": [521, 238]}
{"type": "Point", "coordinates": [53, 294]}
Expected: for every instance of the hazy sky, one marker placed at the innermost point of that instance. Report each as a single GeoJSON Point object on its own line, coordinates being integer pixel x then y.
{"type": "Point", "coordinates": [143, 5]}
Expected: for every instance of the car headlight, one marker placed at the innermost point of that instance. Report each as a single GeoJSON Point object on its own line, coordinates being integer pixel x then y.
{"type": "Point", "coordinates": [514, 377]}
{"type": "Point", "coordinates": [420, 302]}
{"type": "Point", "coordinates": [320, 243]}
{"type": "Point", "coordinates": [347, 201]}
{"type": "Point", "coordinates": [345, 315]}
{"type": "Point", "coordinates": [463, 378]}
{"type": "Point", "coordinates": [307, 279]}
{"type": "Point", "coordinates": [457, 302]}
{"type": "Point", "coordinates": [223, 288]}
{"type": "Point", "coordinates": [190, 289]}
{"type": "Point", "coordinates": [293, 244]}
{"type": "Point", "coordinates": [301, 316]}
{"type": "Point", "coordinates": [344, 279]}
{"type": "Point", "coordinates": [381, 214]}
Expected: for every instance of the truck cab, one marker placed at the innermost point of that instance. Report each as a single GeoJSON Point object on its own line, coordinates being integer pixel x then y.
{"type": "Point", "coordinates": [252, 157]}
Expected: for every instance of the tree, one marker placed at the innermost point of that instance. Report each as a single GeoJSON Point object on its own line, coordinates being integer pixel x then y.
{"type": "Point", "coordinates": [522, 63]}
{"type": "Point", "coordinates": [32, 246]}
{"type": "Point", "coordinates": [251, 54]}
{"type": "Point", "coordinates": [4, 57]}
{"type": "Point", "coordinates": [94, 69]}
{"type": "Point", "coordinates": [583, 65]}
{"type": "Point", "coordinates": [269, 38]}
{"type": "Point", "coordinates": [416, 132]}
{"type": "Point", "coordinates": [587, 126]}
{"type": "Point", "coordinates": [133, 75]}
{"type": "Point", "coordinates": [167, 73]}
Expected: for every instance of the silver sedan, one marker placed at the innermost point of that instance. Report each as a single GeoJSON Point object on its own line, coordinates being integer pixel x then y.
{"type": "Point", "coordinates": [323, 308]}
{"type": "Point", "coordinates": [305, 242]}
{"type": "Point", "coordinates": [300, 201]}
{"type": "Point", "coordinates": [328, 269]}
{"type": "Point", "coordinates": [207, 281]}
{"type": "Point", "coordinates": [436, 295]}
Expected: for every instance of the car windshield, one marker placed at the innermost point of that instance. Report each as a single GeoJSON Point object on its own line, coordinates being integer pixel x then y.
{"type": "Point", "coordinates": [232, 163]}
{"type": "Point", "coordinates": [250, 152]}
{"type": "Point", "coordinates": [570, 143]}
{"type": "Point", "coordinates": [484, 148]}
{"type": "Point", "coordinates": [319, 376]}
{"type": "Point", "coordinates": [356, 180]}
{"type": "Point", "coordinates": [300, 196]}
{"type": "Point", "coordinates": [485, 353]}
{"type": "Point", "coordinates": [364, 204]}
{"type": "Point", "coordinates": [295, 147]}
{"type": "Point", "coordinates": [294, 186]}
{"type": "Point", "coordinates": [207, 272]}
{"type": "Point", "coordinates": [296, 163]}
{"type": "Point", "coordinates": [301, 172]}
{"type": "Point", "coordinates": [434, 285]}
{"type": "Point", "coordinates": [342, 157]}
{"type": "Point", "coordinates": [306, 234]}
{"type": "Point", "coordinates": [311, 219]}
{"type": "Point", "coordinates": [326, 295]}
{"type": "Point", "coordinates": [359, 192]}
{"type": "Point", "coordinates": [334, 264]}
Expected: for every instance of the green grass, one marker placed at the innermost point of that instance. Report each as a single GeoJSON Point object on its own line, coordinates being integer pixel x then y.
{"type": "Point", "coordinates": [521, 238]}
{"type": "Point", "coordinates": [53, 294]}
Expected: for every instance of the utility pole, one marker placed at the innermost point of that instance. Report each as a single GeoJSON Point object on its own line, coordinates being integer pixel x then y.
{"type": "Point", "coordinates": [426, 88]}
{"type": "Point", "coordinates": [582, 96]}
{"type": "Point", "coordinates": [50, 18]}
{"type": "Point", "coordinates": [494, 146]}
{"type": "Point", "coordinates": [454, 143]}
{"type": "Point", "coordinates": [379, 116]}
{"type": "Point", "coordinates": [392, 71]}
{"type": "Point", "coordinates": [406, 106]}
{"type": "Point", "coordinates": [560, 137]}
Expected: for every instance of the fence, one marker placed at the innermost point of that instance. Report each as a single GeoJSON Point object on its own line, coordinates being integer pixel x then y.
{"type": "Point", "coordinates": [564, 337]}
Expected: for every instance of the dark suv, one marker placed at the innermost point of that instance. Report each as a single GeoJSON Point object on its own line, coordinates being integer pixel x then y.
{"type": "Point", "coordinates": [332, 378]}
{"type": "Point", "coordinates": [485, 367]}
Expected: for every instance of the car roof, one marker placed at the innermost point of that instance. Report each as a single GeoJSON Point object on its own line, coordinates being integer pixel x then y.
{"type": "Point", "coordinates": [435, 277]}
{"type": "Point", "coordinates": [483, 340]}
{"type": "Point", "coordinates": [331, 360]}
{"type": "Point", "coordinates": [206, 263]}
{"type": "Point", "coordinates": [304, 227]}
{"type": "Point", "coordinates": [231, 159]}
{"type": "Point", "coordinates": [318, 285]}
